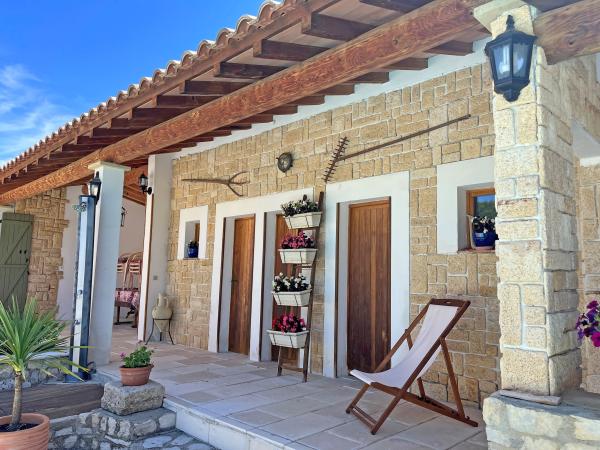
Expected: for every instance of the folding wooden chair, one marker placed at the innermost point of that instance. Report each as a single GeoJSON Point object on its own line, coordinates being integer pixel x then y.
{"type": "Point", "coordinates": [439, 317]}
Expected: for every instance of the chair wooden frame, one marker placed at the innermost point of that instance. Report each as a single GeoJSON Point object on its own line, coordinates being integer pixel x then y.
{"type": "Point", "coordinates": [402, 393]}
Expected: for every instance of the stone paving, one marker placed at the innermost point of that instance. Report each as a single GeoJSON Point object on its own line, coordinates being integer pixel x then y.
{"type": "Point", "coordinates": [248, 395]}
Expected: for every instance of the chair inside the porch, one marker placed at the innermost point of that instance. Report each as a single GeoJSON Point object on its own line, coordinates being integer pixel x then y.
{"type": "Point", "coordinates": [439, 318]}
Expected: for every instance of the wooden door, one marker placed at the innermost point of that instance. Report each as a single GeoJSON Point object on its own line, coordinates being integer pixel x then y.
{"type": "Point", "coordinates": [15, 253]}
{"type": "Point", "coordinates": [368, 285]}
{"type": "Point", "coordinates": [240, 308]}
{"type": "Point", "coordinates": [281, 229]}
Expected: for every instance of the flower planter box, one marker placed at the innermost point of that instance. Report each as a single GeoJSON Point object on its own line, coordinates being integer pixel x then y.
{"type": "Point", "coordinates": [304, 256]}
{"type": "Point", "coordinates": [305, 220]}
{"type": "Point", "coordinates": [291, 340]}
{"type": "Point", "coordinates": [299, 298]}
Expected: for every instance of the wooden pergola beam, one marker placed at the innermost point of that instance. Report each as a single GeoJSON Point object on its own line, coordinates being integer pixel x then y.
{"type": "Point", "coordinates": [570, 31]}
{"type": "Point", "coordinates": [429, 26]}
{"type": "Point", "coordinates": [402, 6]}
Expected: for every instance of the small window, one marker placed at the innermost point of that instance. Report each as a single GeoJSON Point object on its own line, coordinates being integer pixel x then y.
{"type": "Point", "coordinates": [482, 203]}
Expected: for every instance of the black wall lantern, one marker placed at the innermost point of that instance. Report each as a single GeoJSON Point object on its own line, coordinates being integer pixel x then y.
{"type": "Point", "coordinates": [94, 186]}
{"type": "Point", "coordinates": [510, 58]}
{"type": "Point", "coordinates": [143, 184]}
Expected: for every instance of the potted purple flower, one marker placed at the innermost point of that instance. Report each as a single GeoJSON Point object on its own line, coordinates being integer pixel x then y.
{"type": "Point", "coordinates": [483, 233]}
{"type": "Point", "coordinates": [302, 213]}
{"type": "Point", "coordinates": [587, 324]}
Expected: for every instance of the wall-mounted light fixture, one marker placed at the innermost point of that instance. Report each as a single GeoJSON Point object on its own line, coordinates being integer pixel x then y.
{"type": "Point", "coordinates": [94, 187]}
{"type": "Point", "coordinates": [143, 184]}
{"type": "Point", "coordinates": [123, 214]}
{"type": "Point", "coordinates": [510, 58]}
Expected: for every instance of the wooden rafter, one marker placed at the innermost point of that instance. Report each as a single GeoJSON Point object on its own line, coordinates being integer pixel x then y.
{"type": "Point", "coordinates": [430, 26]}
{"type": "Point", "coordinates": [570, 31]}
{"type": "Point", "coordinates": [402, 6]}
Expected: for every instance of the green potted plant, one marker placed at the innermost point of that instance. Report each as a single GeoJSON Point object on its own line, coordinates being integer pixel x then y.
{"type": "Point", "coordinates": [291, 291]}
{"type": "Point", "coordinates": [298, 249]}
{"type": "Point", "coordinates": [26, 335]}
{"type": "Point", "coordinates": [288, 330]}
{"type": "Point", "coordinates": [136, 367]}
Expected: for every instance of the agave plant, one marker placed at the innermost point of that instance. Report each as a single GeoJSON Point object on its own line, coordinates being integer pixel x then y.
{"type": "Point", "coordinates": [25, 335]}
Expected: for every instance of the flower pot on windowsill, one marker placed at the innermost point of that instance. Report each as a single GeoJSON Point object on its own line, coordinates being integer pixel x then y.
{"type": "Point", "coordinates": [298, 298]}
{"type": "Point", "coordinates": [305, 220]}
{"type": "Point", "coordinates": [291, 340]}
{"type": "Point", "coordinates": [137, 376]}
{"type": "Point", "coordinates": [304, 256]}
{"type": "Point", "coordinates": [484, 241]}
{"type": "Point", "coordinates": [35, 438]}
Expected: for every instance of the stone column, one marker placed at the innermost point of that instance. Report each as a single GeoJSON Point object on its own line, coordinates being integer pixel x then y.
{"type": "Point", "coordinates": [106, 254]}
{"type": "Point", "coordinates": [535, 199]}
{"type": "Point", "coordinates": [156, 239]}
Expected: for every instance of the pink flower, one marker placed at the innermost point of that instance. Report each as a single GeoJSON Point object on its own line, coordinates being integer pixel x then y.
{"type": "Point", "coordinates": [122, 355]}
{"type": "Point", "coordinates": [596, 339]}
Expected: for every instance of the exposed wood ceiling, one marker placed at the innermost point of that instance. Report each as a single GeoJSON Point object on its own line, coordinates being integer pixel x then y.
{"type": "Point", "coordinates": [234, 80]}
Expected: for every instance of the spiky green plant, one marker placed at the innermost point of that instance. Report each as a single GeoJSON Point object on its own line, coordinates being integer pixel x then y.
{"type": "Point", "coordinates": [28, 334]}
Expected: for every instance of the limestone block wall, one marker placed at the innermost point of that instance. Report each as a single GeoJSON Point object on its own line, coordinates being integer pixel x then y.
{"type": "Point", "coordinates": [45, 266]}
{"type": "Point", "coordinates": [474, 344]}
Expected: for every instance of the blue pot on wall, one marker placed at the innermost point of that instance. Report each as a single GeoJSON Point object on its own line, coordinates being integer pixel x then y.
{"type": "Point", "coordinates": [484, 241]}
{"type": "Point", "coordinates": [192, 252]}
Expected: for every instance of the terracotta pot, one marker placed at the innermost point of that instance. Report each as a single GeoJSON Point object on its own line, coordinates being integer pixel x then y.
{"type": "Point", "coordinates": [35, 438]}
{"type": "Point", "coordinates": [137, 376]}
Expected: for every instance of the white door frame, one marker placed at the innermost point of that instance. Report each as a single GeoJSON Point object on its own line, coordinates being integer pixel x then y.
{"type": "Point", "coordinates": [257, 206]}
{"type": "Point", "coordinates": [341, 195]}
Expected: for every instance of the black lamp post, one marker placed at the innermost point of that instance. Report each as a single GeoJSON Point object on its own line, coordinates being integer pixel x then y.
{"type": "Point", "coordinates": [510, 58]}
{"type": "Point", "coordinates": [143, 184]}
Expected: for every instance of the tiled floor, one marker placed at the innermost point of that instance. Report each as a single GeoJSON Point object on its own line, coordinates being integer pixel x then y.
{"type": "Point", "coordinates": [310, 415]}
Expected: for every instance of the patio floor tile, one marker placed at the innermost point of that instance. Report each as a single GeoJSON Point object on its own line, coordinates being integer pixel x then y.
{"type": "Point", "coordinates": [255, 417]}
{"type": "Point", "coordinates": [439, 433]}
{"type": "Point", "coordinates": [328, 441]}
{"type": "Point", "coordinates": [395, 443]}
{"type": "Point", "coordinates": [298, 427]}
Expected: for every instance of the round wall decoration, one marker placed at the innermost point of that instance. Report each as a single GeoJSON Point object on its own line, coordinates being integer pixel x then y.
{"type": "Point", "coordinates": [285, 161]}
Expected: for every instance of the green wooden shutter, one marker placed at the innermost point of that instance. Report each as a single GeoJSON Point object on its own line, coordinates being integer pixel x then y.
{"type": "Point", "coordinates": [15, 252]}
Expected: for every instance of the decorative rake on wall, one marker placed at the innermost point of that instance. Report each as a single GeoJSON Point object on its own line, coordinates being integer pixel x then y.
{"type": "Point", "coordinates": [338, 155]}
{"type": "Point", "coordinates": [230, 182]}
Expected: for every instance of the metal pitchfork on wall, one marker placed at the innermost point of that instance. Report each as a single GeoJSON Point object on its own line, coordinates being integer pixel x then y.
{"type": "Point", "coordinates": [229, 182]}
{"type": "Point", "coordinates": [338, 153]}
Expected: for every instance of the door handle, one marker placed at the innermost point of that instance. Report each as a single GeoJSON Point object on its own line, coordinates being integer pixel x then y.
{"type": "Point", "coordinates": [233, 281]}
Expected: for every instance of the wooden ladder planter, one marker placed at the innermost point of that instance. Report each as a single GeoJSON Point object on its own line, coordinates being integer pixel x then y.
{"type": "Point", "coordinates": [296, 267]}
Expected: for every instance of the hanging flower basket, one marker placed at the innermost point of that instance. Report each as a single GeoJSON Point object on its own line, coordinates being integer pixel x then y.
{"type": "Point", "coordinates": [291, 340]}
{"type": "Point", "coordinates": [306, 220]}
{"type": "Point", "coordinates": [304, 256]}
{"type": "Point", "coordinates": [301, 298]}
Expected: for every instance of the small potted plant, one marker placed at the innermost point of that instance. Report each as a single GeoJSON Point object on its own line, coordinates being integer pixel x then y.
{"type": "Point", "coordinates": [136, 367]}
{"type": "Point", "coordinates": [302, 213]}
{"type": "Point", "coordinates": [298, 249]}
{"type": "Point", "coordinates": [27, 335]}
{"type": "Point", "coordinates": [291, 291]}
{"type": "Point", "coordinates": [192, 249]}
{"type": "Point", "coordinates": [483, 233]}
{"type": "Point", "coordinates": [588, 324]}
{"type": "Point", "coordinates": [288, 331]}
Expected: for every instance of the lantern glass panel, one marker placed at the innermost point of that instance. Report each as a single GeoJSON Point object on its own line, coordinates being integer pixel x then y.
{"type": "Point", "coordinates": [520, 58]}
{"type": "Point", "coordinates": [502, 61]}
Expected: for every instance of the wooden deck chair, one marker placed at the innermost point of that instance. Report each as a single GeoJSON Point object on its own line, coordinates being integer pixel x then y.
{"type": "Point", "coordinates": [439, 317]}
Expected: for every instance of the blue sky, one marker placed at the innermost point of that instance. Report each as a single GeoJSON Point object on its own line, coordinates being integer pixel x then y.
{"type": "Point", "coordinates": [59, 58]}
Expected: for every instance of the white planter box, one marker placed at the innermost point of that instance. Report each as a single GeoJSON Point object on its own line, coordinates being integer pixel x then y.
{"type": "Point", "coordinates": [291, 340]}
{"type": "Point", "coordinates": [304, 256]}
{"type": "Point", "coordinates": [306, 220]}
{"type": "Point", "coordinates": [299, 298]}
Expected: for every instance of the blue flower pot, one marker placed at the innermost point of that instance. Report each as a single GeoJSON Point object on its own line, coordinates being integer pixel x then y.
{"type": "Point", "coordinates": [192, 252]}
{"type": "Point", "coordinates": [484, 241]}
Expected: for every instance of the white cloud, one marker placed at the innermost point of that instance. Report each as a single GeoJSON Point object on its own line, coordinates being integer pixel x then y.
{"type": "Point", "coordinates": [27, 112]}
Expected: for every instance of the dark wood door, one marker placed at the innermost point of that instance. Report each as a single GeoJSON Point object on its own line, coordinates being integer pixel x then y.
{"type": "Point", "coordinates": [240, 308]}
{"type": "Point", "coordinates": [368, 285]}
{"type": "Point", "coordinates": [281, 229]}
{"type": "Point", "coordinates": [15, 253]}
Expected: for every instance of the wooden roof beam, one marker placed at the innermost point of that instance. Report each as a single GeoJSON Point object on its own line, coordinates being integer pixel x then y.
{"type": "Point", "coordinates": [116, 132]}
{"type": "Point", "coordinates": [210, 88]}
{"type": "Point", "coordinates": [285, 51]}
{"type": "Point", "coordinates": [182, 101]}
{"type": "Point", "coordinates": [401, 6]}
{"type": "Point", "coordinates": [455, 48]}
{"type": "Point", "coordinates": [409, 64]}
{"type": "Point", "coordinates": [135, 125]}
{"type": "Point", "coordinates": [152, 113]}
{"type": "Point", "coordinates": [429, 26]}
{"type": "Point", "coordinates": [250, 71]}
{"type": "Point", "coordinates": [570, 31]}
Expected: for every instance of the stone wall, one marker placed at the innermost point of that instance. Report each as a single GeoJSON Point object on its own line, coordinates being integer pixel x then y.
{"type": "Point", "coordinates": [474, 344]}
{"type": "Point", "coordinates": [536, 194]}
{"type": "Point", "coordinates": [45, 266]}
